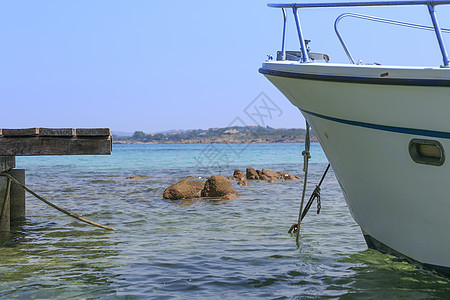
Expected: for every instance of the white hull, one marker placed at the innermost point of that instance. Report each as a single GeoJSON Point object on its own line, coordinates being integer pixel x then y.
{"type": "Point", "coordinates": [365, 124]}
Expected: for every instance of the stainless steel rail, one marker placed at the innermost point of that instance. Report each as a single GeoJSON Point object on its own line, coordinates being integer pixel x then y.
{"type": "Point", "coordinates": [354, 4]}
{"type": "Point", "coordinates": [430, 4]}
{"type": "Point", "coordinates": [376, 19]}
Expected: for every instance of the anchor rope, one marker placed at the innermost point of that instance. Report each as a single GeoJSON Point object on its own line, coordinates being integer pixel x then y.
{"type": "Point", "coordinates": [75, 216]}
{"type": "Point", "coordinates": [306, 156]}
{"type": "Point", "coordinates": [315, 194]}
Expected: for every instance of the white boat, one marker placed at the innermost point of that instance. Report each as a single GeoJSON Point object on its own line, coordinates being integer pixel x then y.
{"type": "Point", "coordinates": [386, 132]}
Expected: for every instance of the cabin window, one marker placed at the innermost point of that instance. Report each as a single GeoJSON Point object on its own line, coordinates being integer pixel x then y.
{"type": "Point", "coordinates": [426, 152]}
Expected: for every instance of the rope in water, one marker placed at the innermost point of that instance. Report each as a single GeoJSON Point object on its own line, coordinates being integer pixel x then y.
{"type": "Point", "coordinates": [315, 194]}
{"type": "Point", "coordinates": [11, 178]}
{"type": "Point", "coordinates": [306, 156]}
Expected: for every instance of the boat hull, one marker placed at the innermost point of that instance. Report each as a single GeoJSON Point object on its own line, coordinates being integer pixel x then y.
{"type": "Point", "coordinates": [365, 127]}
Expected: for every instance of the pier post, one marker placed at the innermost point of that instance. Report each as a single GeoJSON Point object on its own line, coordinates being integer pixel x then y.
{"type": "Point", "coordinates": [4, 207]}
{"type": "Point", "coordinates": [17, 196]}
{"type": "Point", "coordinates": [14, 208]}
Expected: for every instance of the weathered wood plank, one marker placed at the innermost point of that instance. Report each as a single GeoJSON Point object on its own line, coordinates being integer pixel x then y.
{"type": "Point", "coordinates": [20, 132]}
{"type": "Point", "coordinates": [31, 146]}
{"type": "Point", "coordinates": [53, 141]}
{"type": "Point", "coordinates": [7, 163]}
{"type": "Point", "coordinates": [58, 132]}
{"type": "Point", "coordinates": [90, 132]}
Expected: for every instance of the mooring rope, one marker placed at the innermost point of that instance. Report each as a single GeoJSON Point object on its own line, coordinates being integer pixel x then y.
{"type": "Point", "coordinates": [315, 194]}
{"type": "Point", "coordinates": [11, 178]}
{"type": "Point", "coordinates": [306, 156]}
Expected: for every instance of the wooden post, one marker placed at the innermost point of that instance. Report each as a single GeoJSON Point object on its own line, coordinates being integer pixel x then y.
{"type": "Point", "coordinates": [4, 207]}
{"type": "Point", "coordinates": [17, 195]}
{"type": "Point", "coordinates": [7, 163]}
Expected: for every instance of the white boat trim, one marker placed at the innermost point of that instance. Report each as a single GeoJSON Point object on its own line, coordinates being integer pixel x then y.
{"type": "Point", "coordinates": [372, 74]}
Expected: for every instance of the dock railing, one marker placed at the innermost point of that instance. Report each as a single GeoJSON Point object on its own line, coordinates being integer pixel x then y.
{"type": "Point", "coordinates": [303, 49]}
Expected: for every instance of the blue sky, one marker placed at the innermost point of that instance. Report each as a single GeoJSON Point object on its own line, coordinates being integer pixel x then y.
{"type": "Point", "coordinates": [159, 65]}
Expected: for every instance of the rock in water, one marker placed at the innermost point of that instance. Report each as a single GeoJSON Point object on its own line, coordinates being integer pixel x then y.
{"type": "Point", "coordinates": [240, 177]}
{"type": "Point", "coordinates": [287, 176]}
{"type": "Point", "coordinates": [238, 174]}
{"type": "Point", "coordinates": [229, 197]}
{"type": "Point", "coordinates": [135, 177]}
{"type": "Point", "coordinates": [251, 173]}
{"type": "Point", "coordinates": [242, 181]}
{"type": "Point", "coordinates": [271, 174]}
{"type": "Point", "coordinates": [218, 186]}
{"type": "Point", "coordinates": [262, 176]}
{"type": "Point", "coordinates": [184, 189]}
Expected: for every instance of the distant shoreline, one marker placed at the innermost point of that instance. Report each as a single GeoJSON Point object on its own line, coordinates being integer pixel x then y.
{"type": "Point", "coordinates": [211, 142]}
{"type": "Point", "coordinates": [227, 135]}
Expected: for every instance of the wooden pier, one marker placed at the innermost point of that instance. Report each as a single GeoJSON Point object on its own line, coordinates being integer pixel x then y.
{"type": "Point", "coordinates": [41, 141]}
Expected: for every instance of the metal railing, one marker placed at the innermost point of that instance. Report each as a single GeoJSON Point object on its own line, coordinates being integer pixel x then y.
{"type": "Point", "coordinates": [304, 55]}
{"type": "Point", "coordinates": [375, 19]}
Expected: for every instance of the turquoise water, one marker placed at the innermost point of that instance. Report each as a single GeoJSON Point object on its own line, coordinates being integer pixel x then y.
{"type": "Point", "coordinates": [204, 249]}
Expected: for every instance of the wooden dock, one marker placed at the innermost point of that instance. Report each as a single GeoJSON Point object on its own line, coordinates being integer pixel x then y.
{"type": "Point", "coordinates": [41, 141]}
{"type": "Point", "coordinates": [49, 141]}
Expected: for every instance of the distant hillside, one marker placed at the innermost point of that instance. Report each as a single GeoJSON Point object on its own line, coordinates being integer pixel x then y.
{"type": "Point", "coordinates": [117, 134]}
{"type": "Point", "coordinates": [249, 134]}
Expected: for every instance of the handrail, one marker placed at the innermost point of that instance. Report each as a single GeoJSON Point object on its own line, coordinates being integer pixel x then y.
{"type": "Point", "coordinates": [355, 4]}
{"type": "Point", "coordinates": [304, 53]}
{"type": "Point", "coordinates": [429, 3]}
{"type": "Point", "coordinates": [376, 19]}
{"type": "Point", "coordinates": [283, 50]}
{"type": "Point", "coordinates": [437, 30]}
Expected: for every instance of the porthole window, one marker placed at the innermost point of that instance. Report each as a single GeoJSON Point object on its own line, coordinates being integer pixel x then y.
{"type": "Point", "coordinates": [427, 152]}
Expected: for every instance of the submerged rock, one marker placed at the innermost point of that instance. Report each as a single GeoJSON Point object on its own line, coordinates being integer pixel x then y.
{"type": "Point", "coordinates": [217, 186]}
{"type": "Point", "coordinates": [229, 197]}
{"type": "Point", "coordinates": [242, 181]}
{"type": "Point", "coordinates": [268, 175]}
{"type": "Point", "coordinates": [135, 177]}
{"type": "Point", "coordinates": [287, 176]}
{"type": "Point", "coordinates": [184, 189]}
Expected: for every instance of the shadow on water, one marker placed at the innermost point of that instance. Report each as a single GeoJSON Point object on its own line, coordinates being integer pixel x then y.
{"type": "Point", "coordinates": [44, 260]}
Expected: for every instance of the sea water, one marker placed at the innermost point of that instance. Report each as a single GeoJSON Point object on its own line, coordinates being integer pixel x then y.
{"type": "Point", "coordinates": [203, 249]}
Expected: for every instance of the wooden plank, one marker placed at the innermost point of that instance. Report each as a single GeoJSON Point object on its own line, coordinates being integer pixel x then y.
{"type": "Point", "coordinates": [7, 163]}
{"type": "Point", "coordinates": [20, 132]}
{"type": "Point", "coordinates": [30, 146]}
{"type": "Point", "coordinates": [53, 141]}
{"type": "Point", "coordinates": [57, 132]}
{"type": "Point", "coordinates": [91, 132]}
